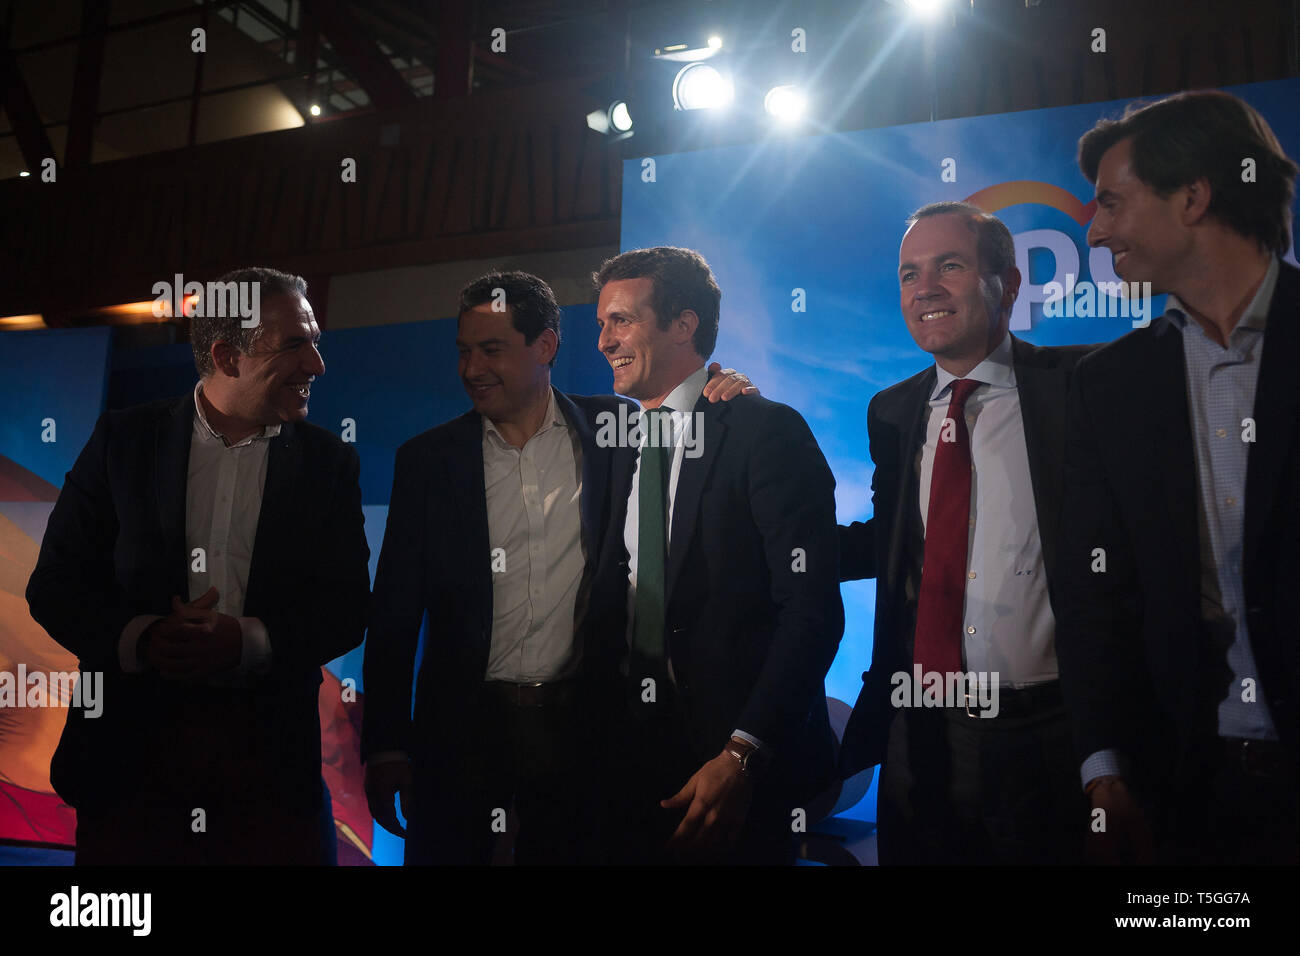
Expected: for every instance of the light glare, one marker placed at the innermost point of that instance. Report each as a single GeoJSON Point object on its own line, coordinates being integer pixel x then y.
{"type": "Point", "coordinates": [700, 87]}
{"type": "Point", "coordinates": [785, 102]}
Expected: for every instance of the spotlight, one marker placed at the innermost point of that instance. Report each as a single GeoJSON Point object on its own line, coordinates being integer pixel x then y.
{"type": "Point", "coordinates": [619, 117]}
{"type": "Point", "coordinates": [715, 42]}
{"type": "Point", "coordinates": [699, 86]}
{"type": "Point", "coordinates": [24, 173]}
{"type": "Point", "coordinates": [785, 102]}
{"type": "Point", "coordinates": [616, 118]}
{"type": "Point", "coordinates": [315, 110]}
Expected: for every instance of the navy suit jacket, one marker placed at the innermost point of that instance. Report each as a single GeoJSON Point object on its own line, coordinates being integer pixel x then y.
{"type": "Point", "coordinates": [1138, 671]}
{"type": "Point", "coordinates": [436, 561]}
{"type": "Point", "coordinates": [753, 610]}
{"type": "Point", "coordinates": [888, 546]}
{"type": "Point", "coordinates": [115, 548]}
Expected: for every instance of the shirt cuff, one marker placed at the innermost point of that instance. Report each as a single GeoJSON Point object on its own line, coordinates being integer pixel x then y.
{"type": "Point", "coordinates": [255, 657]}
{"type": "Point", "coordinates": [749, 738]}
{"type": "Point", "coordinates": [387, 756]}
{"type": "Point", "coordinates": [1104, 763]}
{"type": "Point", "coordinates": [129, 643]}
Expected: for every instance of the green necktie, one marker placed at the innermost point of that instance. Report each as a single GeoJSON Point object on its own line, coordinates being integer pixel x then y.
{"type": "Point", "coordinates": [648, 654]}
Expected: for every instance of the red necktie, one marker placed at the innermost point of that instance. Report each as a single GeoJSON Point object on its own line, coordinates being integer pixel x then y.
{"type": "Point", "coordinates": [938, 640]}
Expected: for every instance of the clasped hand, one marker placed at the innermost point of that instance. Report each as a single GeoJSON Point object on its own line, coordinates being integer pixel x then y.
{"type": "Point", "coordinates": [193, 641]}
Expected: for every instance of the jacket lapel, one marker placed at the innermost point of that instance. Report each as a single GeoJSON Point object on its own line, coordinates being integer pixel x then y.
{"type": "Point", "coordinates": [690, 486]}
{"type": "Point", "coordinates": [1042, 389]}
{"type": "Point", "coordinates": [171, 479]}
{"type": "Point", "coordinates": [1160, 398]}
{"type": "Point", "coordinates": [466, 487]}
{"type": "Point", "coordinates": [911, 436]}
{"type": "Point", "coordinates": [1277, 405]}
{"type": "Point", "coordinates": [276, 518]}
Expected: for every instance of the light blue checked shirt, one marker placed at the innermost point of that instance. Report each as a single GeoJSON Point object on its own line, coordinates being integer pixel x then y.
{"type": "Point", "coordinates": [1220, 396]}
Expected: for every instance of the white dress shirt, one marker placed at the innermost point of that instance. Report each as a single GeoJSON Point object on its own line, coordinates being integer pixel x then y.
{"type": "Point", "coordinates": [534, 497]}
{"type": "Point", "coordinates": [223, 502]}
{"type": "Point", "coordinates": [1007, 619]}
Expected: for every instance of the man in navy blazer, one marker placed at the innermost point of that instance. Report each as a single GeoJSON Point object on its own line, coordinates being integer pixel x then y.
{"type": "Point", "coordinates": [957, 283]}
{"type": "Point", "coordinates": [207, 556]}
{"type": "Point", "coordinates": [492, 531]}
{"type": "Point", "coordinates": [1181, 522]}
{"type": "Point", "coordinates": [716, 610]}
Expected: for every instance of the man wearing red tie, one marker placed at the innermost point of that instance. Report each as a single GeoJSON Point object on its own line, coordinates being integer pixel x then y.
{"type": "Point", "coordinates": [962, 705]}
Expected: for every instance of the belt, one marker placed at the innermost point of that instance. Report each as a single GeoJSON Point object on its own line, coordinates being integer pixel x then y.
{"type": "Point", "coordinates": [548, 694]}
{"type": "Point", "coordinates": [1016, 701]}
{"type": "Point", "coordinates": [1256, 758]}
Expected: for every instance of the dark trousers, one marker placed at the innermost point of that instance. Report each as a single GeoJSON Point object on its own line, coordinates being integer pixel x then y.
{"type": "Point", "coordinates": [1232, 814]}
{"type": "Point", "coordinates": [651, 760]}
{"type": "Point", "coordinates": [535, 757]}
{"type": "Point", "coordinates": [961, 790]}
{"type": "Point", "coordinates": [154, 832]}
{"type": "Point", "coordinates": [210, 792]}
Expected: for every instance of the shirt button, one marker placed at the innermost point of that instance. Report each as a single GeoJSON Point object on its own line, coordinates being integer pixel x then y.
{"type": "Point", "coordinates": [1222, 432]}
{"type": "Point", "coordinates": [972, 522]}
{"type": "Point", "coordinates": [971, 575]}
{"type": "Point", "coordinates": [970, 630]}
{"type": "Point", "coordinates": [1229, 501]}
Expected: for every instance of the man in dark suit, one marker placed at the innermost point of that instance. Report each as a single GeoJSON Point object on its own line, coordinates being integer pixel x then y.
{"type": "Point", "coordinates": [492, 531]}
{"type": "Point", "coordinates": [1179, 553]}
{"type": "Point", "coordinates": [207, 556]}
{"type": "Point", "coordinates": [967, 488]}
{"type": "Point", "coordinates": [716, 609]}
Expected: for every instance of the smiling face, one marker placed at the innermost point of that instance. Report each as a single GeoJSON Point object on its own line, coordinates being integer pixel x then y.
{"type": "Point", "coordinates": [503, 375]}
{"type": "Point", "coordinates": [648, 361]}
{"type": "Point", "coordinates": [950, 310]}
{"type": "Point", "coordinates": [275, 375]}
{"type": "Point", "coordinates": [1144, 233]}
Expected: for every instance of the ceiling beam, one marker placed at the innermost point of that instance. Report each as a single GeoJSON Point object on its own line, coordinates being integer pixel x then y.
{"type": "Point", "coordinates": [29, 130]}
{"type": "Point", "coordinates": [86, 77]}
{"type": "Point", "coordinates": [360, 56]}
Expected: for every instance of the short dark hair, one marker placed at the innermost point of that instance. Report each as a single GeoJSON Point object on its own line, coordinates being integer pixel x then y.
{"type": "Point", "coordinates": [1206, 134]}
{"type": "Point", "coordinates": [206, 330]}
{"type": "Point", "coordinates": [682, 280]}
{"type": "Point", "coordinates": [993, 243]}
{"type": "Point", "coordinates": [532, 304]}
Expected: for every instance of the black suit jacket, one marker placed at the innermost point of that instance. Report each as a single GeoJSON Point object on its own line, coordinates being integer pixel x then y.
{"type": "Point", "coordinates": [436, 560]}
{"type": "Point", "coordinates": [750, 636]}
{"type": "Point", "coordinates": [115, 548]}
{"type": "Point", "coordinates": [1139, 673]}
{"type": "Point", "coordinates": [889, 545]}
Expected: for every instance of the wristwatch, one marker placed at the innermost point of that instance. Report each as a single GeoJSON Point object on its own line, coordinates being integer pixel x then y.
{"type": "Point", "coordinates": [752, 760]}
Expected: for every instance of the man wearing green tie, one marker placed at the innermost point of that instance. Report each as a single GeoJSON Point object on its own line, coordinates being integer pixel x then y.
{"type": "Point", "coordinates": [717, 596]}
